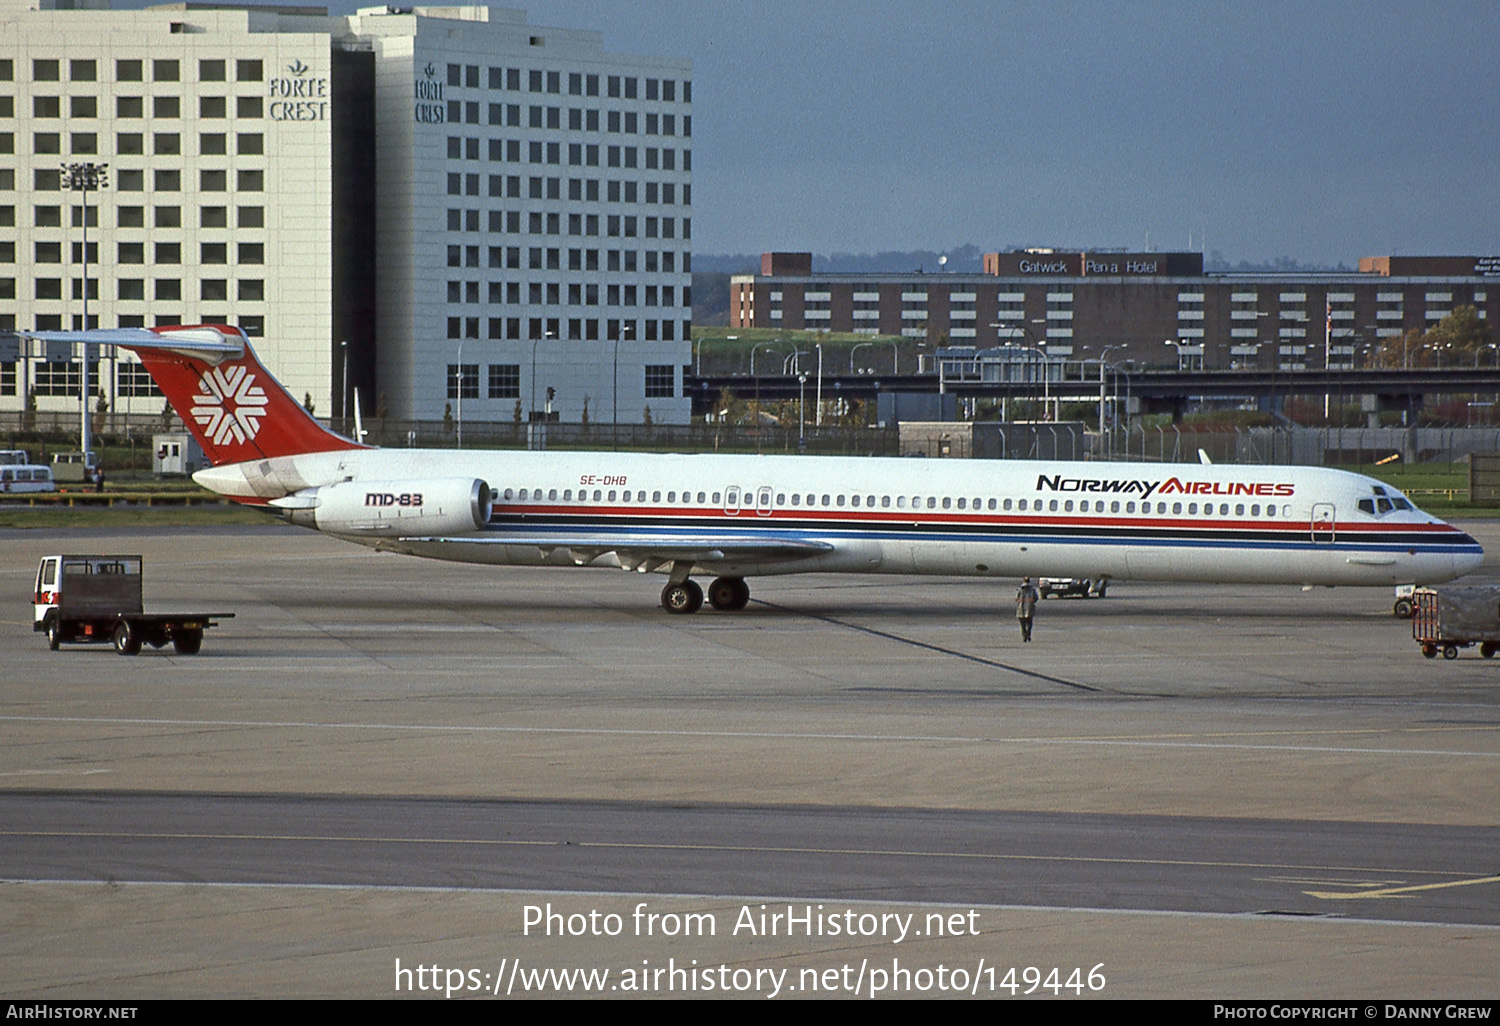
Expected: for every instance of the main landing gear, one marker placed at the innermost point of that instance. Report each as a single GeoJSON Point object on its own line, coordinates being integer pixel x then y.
{"type": "Point", "coordinates": [725, 593]}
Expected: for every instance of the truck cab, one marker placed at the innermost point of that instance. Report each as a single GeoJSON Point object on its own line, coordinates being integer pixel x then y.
{"type": "Point", "coordinates": [85, 588]}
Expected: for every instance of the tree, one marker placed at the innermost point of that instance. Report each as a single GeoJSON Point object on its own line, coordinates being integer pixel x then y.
{"type": "Point", "coordinates": [1461, 337]}
{"type": "Point", "coordinates": [1462, 332]}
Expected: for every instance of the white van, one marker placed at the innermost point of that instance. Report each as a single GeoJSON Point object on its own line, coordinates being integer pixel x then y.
{"type": "Point", "coordinates": [18, 478]}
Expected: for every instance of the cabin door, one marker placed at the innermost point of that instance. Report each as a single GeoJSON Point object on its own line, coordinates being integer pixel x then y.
{"type": "Point", "coordinates": [1322, 522]}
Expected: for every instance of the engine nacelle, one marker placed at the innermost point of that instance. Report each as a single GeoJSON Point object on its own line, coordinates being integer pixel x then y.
{"type": "Point", "coordinates": [438, 506]}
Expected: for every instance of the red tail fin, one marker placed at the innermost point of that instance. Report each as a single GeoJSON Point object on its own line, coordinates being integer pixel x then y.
{"type": "Point", "coordinates": [233, 406]}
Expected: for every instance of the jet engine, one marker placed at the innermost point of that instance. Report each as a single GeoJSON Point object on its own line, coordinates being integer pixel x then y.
{"type": "Point", "coordinates": [438, 506]}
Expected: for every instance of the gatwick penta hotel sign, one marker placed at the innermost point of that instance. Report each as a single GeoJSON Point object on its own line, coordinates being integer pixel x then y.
{"type": "Point", "coordinates": [428, 91]}
{"type": "Point", "coordinates": [298, 96]}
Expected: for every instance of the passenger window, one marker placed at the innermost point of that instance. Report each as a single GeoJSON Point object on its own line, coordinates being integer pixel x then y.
{"type": "Point", "coordinates": [947, 502]}
{"type": "Point", "coordinates": [796, 499]}
{"type": "Point", "coordinates": [932, 502]}
{"type": "Point", "coordinates": [508, 492]}
{"type": "Point", "coordinates": [1193, 508]}
{"type": "Point", "coordinates": [961, 503]}
{"type": "Point", "coordinates": [656, 496]}
{"type": "Point", "coordinates": [1068, 506]}
{"type": "Point", "coordinates": [885, 502]}
{"type": "Point", "coordinates": [1023, 505]}
{"type": "Point", "coordinates": [701, 499]}
{"type": "Point", "coordinates": [598, 495]}
{"type": "Point", "coordinates": [716, 497]}
{"type": "Point", "coordinates": [1052, 506]}
{"type": "Point", "coordinates": [900, 502]}
{"type": "Point", "coordinates": [1255, 510]}
{"type": "Point", "coordinates": [839, 501]}
{"type": "Point", "coordinates": [671, 496]}
{"type": "Point", "coordinates": [826, 501]}
{"type": "Point", "coordinates": [780, 499]}
{"type": "Point", "coordinates": [992, 504]}
{"type": "Point", "coordinates": [1006, 505]}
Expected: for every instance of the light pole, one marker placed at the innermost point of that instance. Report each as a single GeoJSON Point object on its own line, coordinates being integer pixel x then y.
{"type": "Point", "coordinates": [344, 384]}
{"type": "Point", "coordinates": [614, 412]}
{"type": "Point", "coordinates": [857, 347]}
{"type": "Point", "coordinates": [818, 400]}
{"type": "Point", "coordinates": [458, 388]}
{"type": "Point", "coordinates": [801, 412]}
{"type": "Point", "coordinates": [85, 177]}
{"type": "Point", "coordinates": [1106, 438]}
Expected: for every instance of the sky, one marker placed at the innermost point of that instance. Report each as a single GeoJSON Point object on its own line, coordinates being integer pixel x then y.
{"type": "Point", "coordinates": [1316, 129]}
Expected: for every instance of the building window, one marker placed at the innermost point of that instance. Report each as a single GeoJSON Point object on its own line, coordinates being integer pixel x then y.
{"type": "Point", "coordinates": [134, 381]}
{"type": "Point", "coordinates": [505, 380]}
{"type": "Point", "coordinates": [463, 380]}
{"type": "Point", "coordinates": [660, 382]}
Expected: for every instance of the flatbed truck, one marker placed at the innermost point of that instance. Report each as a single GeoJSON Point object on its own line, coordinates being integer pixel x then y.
{"type": "Point", "coordinates": [98, 599]}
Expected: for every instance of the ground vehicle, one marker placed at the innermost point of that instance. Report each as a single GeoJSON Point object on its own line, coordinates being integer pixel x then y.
{"type": "Point", "coordinates": [1448, 619]}
{"type": "Point", "coordinates": [98, 599]}
{"type": "Point", "coordinates": [75, 467]}
{"type": "Point", "coordinates": [1072, 587]}
{"type": "Point", "coordinates": [25, 477]}
{"type": "Point", "coordinates": [1405, 606]}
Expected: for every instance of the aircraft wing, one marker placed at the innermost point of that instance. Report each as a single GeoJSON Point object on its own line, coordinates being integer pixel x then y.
{"type": "Point", "coordinates": [647, 552]}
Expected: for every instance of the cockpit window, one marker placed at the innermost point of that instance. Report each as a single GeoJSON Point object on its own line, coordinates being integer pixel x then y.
{"type": "Point", "coordinates": [1367, 506]}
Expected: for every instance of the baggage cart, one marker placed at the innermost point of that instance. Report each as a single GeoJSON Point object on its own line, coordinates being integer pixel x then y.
{"type": "Point", "coordinates": [1448, 619]}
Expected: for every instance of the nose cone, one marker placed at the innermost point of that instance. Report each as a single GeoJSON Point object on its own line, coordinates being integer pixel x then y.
{"type": "Point", "coordinates": [1470, 559]}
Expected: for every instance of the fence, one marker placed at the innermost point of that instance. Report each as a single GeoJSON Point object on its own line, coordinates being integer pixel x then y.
{"type": "Point", "coordinates": [1065, 441]}
{"type": "Point", "coordinates": [1324, 446]}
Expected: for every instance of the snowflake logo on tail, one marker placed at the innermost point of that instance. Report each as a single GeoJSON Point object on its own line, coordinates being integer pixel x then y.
{"type": "Point", "coordinates": [230, 405]}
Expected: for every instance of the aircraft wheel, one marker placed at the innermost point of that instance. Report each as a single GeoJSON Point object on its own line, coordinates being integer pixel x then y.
{"type": "Point", "coordinates": [1450, 651]}
{"type": "Point", "coordinates": [729, 594]}
{"type": "Point", "coordinates": [1430, 651]}
{"type": "Point", "coordinates": [187, 642]}
{"type": "Point", "coordinates": [1402, 609]}
{"type": "Point", "coordinates": [682, 598]}
{"type": "Point", "coordinates": [126, 643]}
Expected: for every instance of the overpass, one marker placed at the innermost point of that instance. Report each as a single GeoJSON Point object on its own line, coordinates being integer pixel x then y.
{"type": "Point", "coordinates": [1155, 390]}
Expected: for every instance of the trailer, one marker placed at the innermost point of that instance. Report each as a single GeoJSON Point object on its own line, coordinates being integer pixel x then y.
{"type": "Point", "coordinates": [1448, 619]}
{"type": "Point", "coordinates": [98, 599]}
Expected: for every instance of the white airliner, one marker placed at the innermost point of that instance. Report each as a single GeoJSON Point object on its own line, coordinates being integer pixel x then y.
{"type": "Point", "coordinates": [732, 517]}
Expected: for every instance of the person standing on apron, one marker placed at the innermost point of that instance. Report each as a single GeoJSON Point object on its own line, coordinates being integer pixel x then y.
{"type": "Point", "coordinates": [1026, 600]}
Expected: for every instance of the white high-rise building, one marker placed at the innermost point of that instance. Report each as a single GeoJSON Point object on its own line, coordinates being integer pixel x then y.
{"type": "Point", "coordinates": [427, 203]}
{"type": "Point", "coordinates": [535, 215]}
